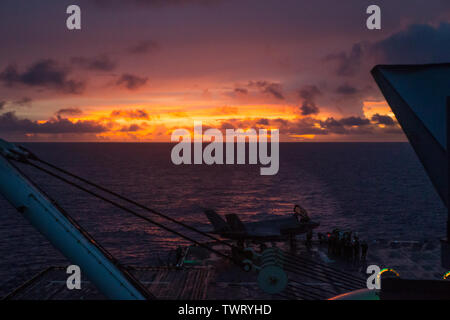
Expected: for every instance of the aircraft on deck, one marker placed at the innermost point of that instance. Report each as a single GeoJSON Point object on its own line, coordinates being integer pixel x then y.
{"type": "Point", "coordinates": [277, 229]}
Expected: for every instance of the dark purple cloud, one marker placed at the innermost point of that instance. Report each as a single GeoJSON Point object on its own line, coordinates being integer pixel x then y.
{"type": "Point", "coordinates": [383, 119]}
{"type": "Point", "coordinates": [43, 74]}
{"type": "Point", "coordinates": [354, 121]}
{"type": "Point", "coordinates": [99, 63]}
{"type": "Point", "coordinates": [262, 121]}
{"type": "Point", "coordinates": [352, 125]}
{"type": "Point", "coordinates": [227, 125]}
{"type": "Point", "coordinates": [241, 91]}
{"type": "Point", "coordinates": [23, 102]}
{"type": "Point", "coordinates": [346, 90]}
{"type": "Point", "coordinates": [308, 95]}
{"type": "Point", "coordinates": [10, 123]}
{"type": "Point", "coordinates": [309, 109]}
{"type": "Point", "coordinates": [333, 126]}
{"type": "Point", "coordinates": [346, 125]}
{"type": "Point", "coordinates": [68, 112]}
{"type": "Point", "coordinates": [419, 43]}
{"type": "Point", "coordinates": [130, 114]}
{"type": "Point", "coordinates": [144, 47]}
{"type": "Point", "coordinates": [271, 88]}
{"type": "Point", "coordinates": [131, 82]}
{"type": "Point", "coordinates": [347, 64]}
{"type": "Point", "coordinates": [130, 128]}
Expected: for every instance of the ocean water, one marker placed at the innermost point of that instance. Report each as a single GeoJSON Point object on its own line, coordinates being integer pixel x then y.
{"type": "Point", "coordinates": [379, 190]}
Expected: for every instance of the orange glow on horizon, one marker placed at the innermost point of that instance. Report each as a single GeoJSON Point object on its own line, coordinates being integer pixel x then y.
{"type": "Point", "coordinates": [160, 122]}
{"type": "Point", "coordinates": [155, 122]}
{"type": "Point", "coordinates": [370, 108]}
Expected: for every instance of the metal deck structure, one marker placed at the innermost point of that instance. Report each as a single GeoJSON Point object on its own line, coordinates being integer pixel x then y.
{"type": "Point", "coordinates": [320, 276]}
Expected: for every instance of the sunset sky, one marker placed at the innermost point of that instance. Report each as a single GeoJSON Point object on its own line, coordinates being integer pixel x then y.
{"type": "Point", "coordinates": [140, 69]}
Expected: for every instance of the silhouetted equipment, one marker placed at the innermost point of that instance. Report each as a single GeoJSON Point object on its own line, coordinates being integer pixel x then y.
{"type": "Point", "coordinates": [364, 249]}
{"type": "Point", "coordinates": [63, 231]}
{"type": "Point", "coordinates": [275, 229]}
{"type": "Point", "coordinates": [419, 97]}
{"type": "Point", "coordinates": [111, 278]}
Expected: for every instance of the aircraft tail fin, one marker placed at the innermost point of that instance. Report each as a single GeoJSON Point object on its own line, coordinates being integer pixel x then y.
{"type": "Point", "coordinates": [218, 223]}
{"type": "Point", "coordinates": [235, 223]}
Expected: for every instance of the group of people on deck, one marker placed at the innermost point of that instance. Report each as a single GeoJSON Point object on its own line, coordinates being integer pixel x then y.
{"type": "Point", "coordinates": [344, 244]}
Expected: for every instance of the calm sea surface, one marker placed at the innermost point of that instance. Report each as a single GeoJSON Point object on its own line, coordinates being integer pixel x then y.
{"type": "Point", "coordinates": [377, 189]}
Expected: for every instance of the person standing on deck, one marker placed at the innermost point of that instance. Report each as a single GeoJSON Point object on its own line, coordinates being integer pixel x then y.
{"type": "Point", "coordinates": [364, 249]}
{"type": "Point", "coordinates": [356, 247]}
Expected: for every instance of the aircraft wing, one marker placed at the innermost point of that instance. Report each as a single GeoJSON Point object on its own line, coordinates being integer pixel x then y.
{"type": "Point", "coordinates": [278, 226]}
{"type": "Point", "coordinates": [271, 229]}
